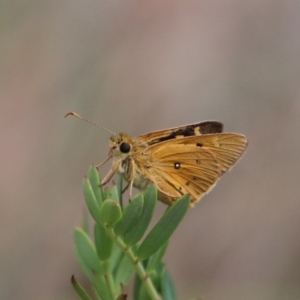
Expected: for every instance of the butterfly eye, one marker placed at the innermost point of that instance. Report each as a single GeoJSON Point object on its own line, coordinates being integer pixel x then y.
{"type": "Point", "coordinates": [125, 147]}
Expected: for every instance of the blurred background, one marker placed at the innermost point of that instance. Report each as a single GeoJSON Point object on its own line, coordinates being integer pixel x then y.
{"type": "Point", "coordinates": [140, 66]}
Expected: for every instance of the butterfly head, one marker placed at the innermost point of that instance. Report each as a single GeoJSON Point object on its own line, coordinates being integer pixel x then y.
{"type": "Point", "coordinates": [120, 144]}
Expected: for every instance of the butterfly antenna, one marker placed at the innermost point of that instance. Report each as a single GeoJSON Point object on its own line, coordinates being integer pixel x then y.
{"type": "Point", "coordinates": [71, 113]}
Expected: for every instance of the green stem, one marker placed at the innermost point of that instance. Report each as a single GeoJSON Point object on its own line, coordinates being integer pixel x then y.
{"type": "Point", "coordinates": [137, 264]}
{"type": "Point", "coordinates": [109, 277]}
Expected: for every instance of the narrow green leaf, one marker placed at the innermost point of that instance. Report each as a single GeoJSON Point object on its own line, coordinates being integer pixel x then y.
{"type": "Point", "coordinates": [120, 189]}
{"type": "Point", "coordinates": [95, 292]}
{"type": "Point", "coordinates": [150, 193]}
{"type": "Point", "coordinates": [143, 294]}
{"type": "Point", "coordinates": [112, 193]}
{"type": "Point", "coordinates": [164, 228]}
{"type": "Point", "coordinates": [124, 271]}
{"type": "Point", "coordinates": [110, 213]}
{"type": "Point", "coordinates": [131, 214]}
{"type": "Point", "coordinates": [89, 274]}
{"type": "Point", "coordinates": [86, 250]}
{"type": "Point", "coordinates": [96, 184]}
{"type": "Point", "coordinates": [79, 289]}
{"type": "Point", "coordinates": [102, 287]}
{"type": "Point", "coordinates": [115, 258]}
{"type": "Point", "coordinates": [103, 243]}
{"type": "Point", "coordinates": [133, 235]}
{"type": "Point", "coordinates": [155, 278]}
{"type": "Point", "coordinates": [90, 200]}
{"type": "Point", "coordinates": [136, 287]}
{"type": "Point", "coordinates": [156, 258]}
{"type": "Point", "coordinates": [167, 286]}
{"type": "Point", "coordinates": [85, 222]}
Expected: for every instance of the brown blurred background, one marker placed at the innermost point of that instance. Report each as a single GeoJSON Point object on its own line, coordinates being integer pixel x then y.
{"type": "Point", "coordinates": [139, 66]}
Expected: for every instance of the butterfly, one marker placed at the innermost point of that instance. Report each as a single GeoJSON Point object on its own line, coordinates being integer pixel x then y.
{"type": "Point", "coordinates": [188, 159]}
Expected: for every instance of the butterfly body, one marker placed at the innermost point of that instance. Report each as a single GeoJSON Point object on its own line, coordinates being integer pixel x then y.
{"type": "Point", "coordinates": [131, 165]}
{"type": "Point", "coordinates": [188, 159]}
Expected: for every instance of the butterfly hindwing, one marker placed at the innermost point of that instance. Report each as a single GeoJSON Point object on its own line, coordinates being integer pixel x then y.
{"type": "Point", "coordinates": [183, 169]}
{"type": "Point", "coordinates": [227, 147]}
{"type": "Point", "coordinates": [192, 165]}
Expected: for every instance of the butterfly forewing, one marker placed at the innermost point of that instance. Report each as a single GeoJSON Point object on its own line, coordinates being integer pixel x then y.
{"type": "Point", "coordinates": [206, 127]}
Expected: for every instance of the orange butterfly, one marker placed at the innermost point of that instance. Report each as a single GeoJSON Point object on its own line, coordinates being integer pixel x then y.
{"type": "Point", "coordinates": [188, 159]}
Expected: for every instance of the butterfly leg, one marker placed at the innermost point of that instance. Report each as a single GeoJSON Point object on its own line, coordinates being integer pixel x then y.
{"type": "Point", "coordinates": [107, 177]}
{"type": "Point", "coordinates": [102, 163]}
{"type": "Point", "coordinates": [130, 189]}
{"type": "Point", "coordinates": [126, 187]}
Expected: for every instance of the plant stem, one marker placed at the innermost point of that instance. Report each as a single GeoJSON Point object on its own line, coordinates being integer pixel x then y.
{"type": "Point", "coordinates": [137, 264]}
{"type": "Point", "coordinates": [109, 276]}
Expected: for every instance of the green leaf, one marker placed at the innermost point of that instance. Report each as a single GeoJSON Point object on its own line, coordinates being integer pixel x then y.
{"type": "Point", "coordinates": [155, 278]}
{"type": "Point", "coordinates": [120, 188]}
{"type": "Point", "coordinates": [85, 222]}
{"type": "Point", "coordinates": [124, 271]}
{"type": "Point", "coordinates": [150, 193]}
{"type": "Point", "coordinates": [136, 287]}
{"type": "Point", "coordinates": [95, 292]}
{"type": "Point", "coordinates": [102, 288]}
{"type": "Point", "coordinates": [167, 286]}
{"type": "Point", "coordinates": [89, 274]}
{"type": "Point", "coordinates": [156, 258]}
{"type": "Point", "coordinates": [86, 250]}
{"type": "Point", "coordinates": [110, 213]}
{"type": "Point", "coordinates": [131, 214]}
{"type": "Point", "coordinates": [96, 184]}
{"type": "Point", "coordinates": [115, 258]}
{"type": "Point", "coordinates": [164, 228]}
{"type": "Point", "coordinates": [112, 193]}
{"type": "Point", "coordinates": [143, 294]}
{"type": "Point", "coordinates": [104, 244]}
{"type": "Point", "coordinates": [133, 235]}
{"type": "Point", "coordinates": [79, 289]}
{"type": "Point", "coordinates": [139, 291]}
{"type": "Point", "coordinates": [90, 200]}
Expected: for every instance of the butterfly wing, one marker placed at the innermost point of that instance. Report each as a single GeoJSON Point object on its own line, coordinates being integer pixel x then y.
{"type": "Point", "coordinates": [228, 148]}
{"type": "Point", "coordinates": [192, 165]}
{"type": "Point", "coordinates": [206, 127]}
{"type": "Point", "coordinates": [179, 170]}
